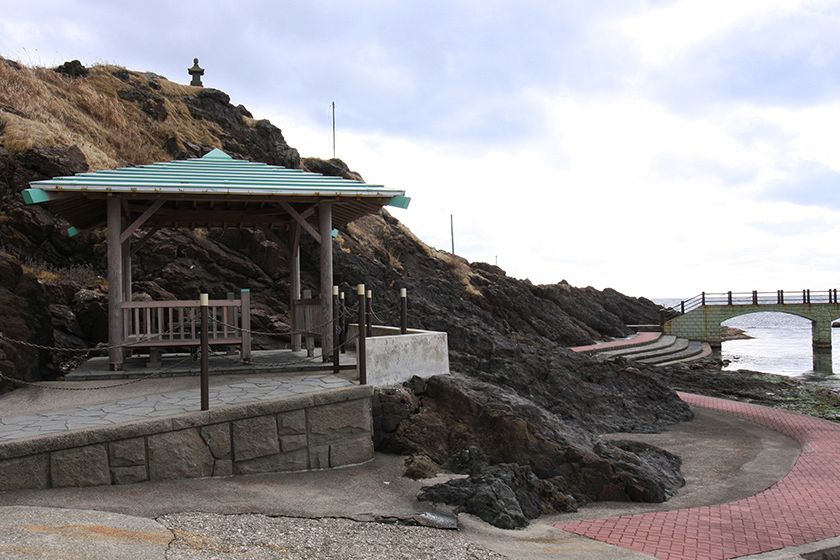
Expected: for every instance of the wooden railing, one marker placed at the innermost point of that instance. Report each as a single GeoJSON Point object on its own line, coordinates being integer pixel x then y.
{"type": "Point", "coordinates": [307, 319]}
{"type": "Point", "coordinates": [157, 324]}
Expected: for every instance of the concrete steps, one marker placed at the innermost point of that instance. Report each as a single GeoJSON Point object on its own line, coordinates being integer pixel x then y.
{"type": "Point", "coordinates": [666, 350]}
{"type": "Point", "coordinates": [663, 341]}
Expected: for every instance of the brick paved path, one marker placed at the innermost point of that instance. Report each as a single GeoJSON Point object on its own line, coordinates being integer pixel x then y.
{"type": "Point", "coordinates": [803, 507]}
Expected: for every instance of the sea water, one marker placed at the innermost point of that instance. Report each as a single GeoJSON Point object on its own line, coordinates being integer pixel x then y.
{"type": "Point", "coordinates": [780, 343]}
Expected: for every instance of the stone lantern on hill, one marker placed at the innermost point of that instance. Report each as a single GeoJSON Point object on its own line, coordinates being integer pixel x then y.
{"type": "Point", "coordinates": [196, 72]}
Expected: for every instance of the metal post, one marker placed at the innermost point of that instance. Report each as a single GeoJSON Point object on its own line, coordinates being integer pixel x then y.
{"type": "Point", "coordinates": [452, 231]}
{"type": "Point", "coordinates": [343, 337]}
{"type": "Point", "coordinates": [403, 311]}
{"type": "Point", "coordinates": [336, 330]}
{"type": "Point", "coordinates": [702, 298]}
{"type": "Point", "coordinates": [782, 297]}
{"type": "Point", "coordinates": [360, 345]}
{"type": "Point", "coordinates": [682, 307]}
{"type": "Point", "coordinates": [755, 297]}
{"type": "Point", "coordinates": [808, 294]}
{"type": "Point", "coordinates": [369, 325]}
{"type": "Point", "coordinates": [245, 302]}
{"type": "Point", "coordinates": [803, 297]}
{"type": "Point", "coordinates": [729, 297]}
{"type": "Point", "coordinates": [204, 301]}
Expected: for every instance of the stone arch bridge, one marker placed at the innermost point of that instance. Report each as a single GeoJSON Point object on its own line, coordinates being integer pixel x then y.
{"type": "Point", "coordinates": [699, 318]}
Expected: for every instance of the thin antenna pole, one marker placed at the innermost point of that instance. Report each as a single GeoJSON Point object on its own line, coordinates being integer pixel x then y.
{"type": "Point", "coordinates": [452, 231]}
{"type": "Point", "coordinates": [333, 127]}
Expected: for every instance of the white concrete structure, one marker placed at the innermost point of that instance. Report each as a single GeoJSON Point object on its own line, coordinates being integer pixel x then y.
{"type": "Point", "coordinates": [393, 358]}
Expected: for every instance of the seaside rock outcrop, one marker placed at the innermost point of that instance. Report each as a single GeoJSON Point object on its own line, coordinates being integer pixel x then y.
{"type": "Point", "coordinates": [523, 461]}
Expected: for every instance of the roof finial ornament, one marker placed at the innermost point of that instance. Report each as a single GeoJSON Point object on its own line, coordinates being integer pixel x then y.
{"type": "Point", "coordinates": [196, 72]}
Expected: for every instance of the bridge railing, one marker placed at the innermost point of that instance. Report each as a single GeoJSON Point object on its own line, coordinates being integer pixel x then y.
{"type": "Point", "coordinates": [779, 297]}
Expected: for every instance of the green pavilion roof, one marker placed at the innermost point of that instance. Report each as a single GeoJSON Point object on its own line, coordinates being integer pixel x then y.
{"type": "Point", "coordinates": [215, 177]}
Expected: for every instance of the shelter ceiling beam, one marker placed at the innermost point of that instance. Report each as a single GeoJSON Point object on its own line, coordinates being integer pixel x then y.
{"type": "Point", "coordinates": [142, 219]}
{"type": "Point", "coordinates": [296, 216]}
{"type": "Point", "coordinates": [273, 237]}
{"type": "Point", "coordinates": [137, 246]}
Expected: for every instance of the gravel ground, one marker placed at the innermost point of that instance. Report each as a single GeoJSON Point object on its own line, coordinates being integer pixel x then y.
{"type": "Point", "coordinates": [203, 536]}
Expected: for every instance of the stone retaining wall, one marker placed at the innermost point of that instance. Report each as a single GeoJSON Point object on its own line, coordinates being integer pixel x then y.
{"type": "Point", "coordinates": [320, 431]}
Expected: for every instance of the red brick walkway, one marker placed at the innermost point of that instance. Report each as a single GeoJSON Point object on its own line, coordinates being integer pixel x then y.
{"type": "Point", "coordinates": [803, 507]}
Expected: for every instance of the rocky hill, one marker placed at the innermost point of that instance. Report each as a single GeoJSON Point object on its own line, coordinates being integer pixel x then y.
{"type": "Point", "coordinates": [514, 382]}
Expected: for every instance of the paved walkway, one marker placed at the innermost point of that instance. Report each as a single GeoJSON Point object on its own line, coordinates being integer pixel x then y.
{"type": "Point", "coordinates": [803, 507]}
{"type": "Point", "coordinates": [635, 340]}
{"type": "Point", "coordinates": [246, 390]}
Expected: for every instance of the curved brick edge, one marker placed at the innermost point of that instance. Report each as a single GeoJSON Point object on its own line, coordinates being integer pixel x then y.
{"type": "Point", "coordinates": [802, 507]}
{"type": "Point", "coordinates": [323, 430]}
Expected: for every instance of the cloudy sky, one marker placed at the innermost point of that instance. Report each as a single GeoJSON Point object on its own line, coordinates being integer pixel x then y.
{"type": "Point", "coordinates": [658, 147]}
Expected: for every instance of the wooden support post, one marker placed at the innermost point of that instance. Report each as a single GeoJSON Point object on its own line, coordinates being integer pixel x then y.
{"type": "Point", "coordinates": [336, 330]}
{"type": "Point", "coordinates": [403, 311]}
{"type": "Point", "coordinates": [369, 325]}
{"type": "Point", "coordinates": [325, 223]}
{"type": "Point", "coordinates": [205, 352]}
{"type": "Point", "coordinates": [245, 301]}
{"type": "Point", "coordinates": [115, 284]}
{"type": "Point", "coordinates": [343, 337]}
{"type": "Point", "coordinates": [360, 345]}
{"type": "Point", "coordinates": [294, 270]}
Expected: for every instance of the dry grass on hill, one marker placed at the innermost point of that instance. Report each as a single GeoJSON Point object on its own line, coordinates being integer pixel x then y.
{"type": "Point", "coordinates": [41, 107]}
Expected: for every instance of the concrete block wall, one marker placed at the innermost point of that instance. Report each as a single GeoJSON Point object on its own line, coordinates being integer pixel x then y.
{"type": "Point", "coordinates": [393, 358]}
{"type": "Point", "coordinates": [320, 431]}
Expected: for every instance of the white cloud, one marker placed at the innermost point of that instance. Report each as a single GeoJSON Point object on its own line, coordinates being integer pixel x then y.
{"type": "Point", "coordinates": [665, 32]}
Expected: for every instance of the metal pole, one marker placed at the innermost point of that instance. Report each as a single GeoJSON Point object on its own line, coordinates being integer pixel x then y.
{"type": "Point", "coordinates": [682, 307]}
{"type": "Point", "coordinates": [336, 330]}
{"type": "Point", "coordinates": [755, 297]}
{"type": "Point", "coordinates": [204, 301]}
{"type": "Point", "coordinates": [369, 325]}
{"type": "Point", "coordinates": [403, 311]}
{"type": "Point", "coordinates": [808, 293]}
{"type": "Point", "coordinates": [360, 345]}
{"type": "Point", "coordinates": [452, 231]}
{"type": "Point", "coordinates": [702, 298]}
{"type": "Point", "coordinates": [333, 127]}
{"type": "Point", "coordinates": [729, 297]}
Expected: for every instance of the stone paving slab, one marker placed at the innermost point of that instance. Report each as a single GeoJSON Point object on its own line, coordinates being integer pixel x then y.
{"type": "Point", "coordinates": [180, 364]}
{"type": "Point", "coordinates": [246, 390]}
{"type": "Point", "coordinates": [801, 508]}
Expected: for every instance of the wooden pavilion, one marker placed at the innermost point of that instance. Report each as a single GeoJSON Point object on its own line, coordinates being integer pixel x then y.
{"type": "Point", "coordinates": [212, 191]}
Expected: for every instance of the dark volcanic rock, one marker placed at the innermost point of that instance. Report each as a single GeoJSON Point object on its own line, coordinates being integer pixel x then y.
{"type": "Point", "coordinates": [72, 68]}
{"type": "Point", "coordinates": [549, 464]}
{"type": "Point", "coordinates": [261, 141]}
{"type": "Point", "coordinates": [505, 495]}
